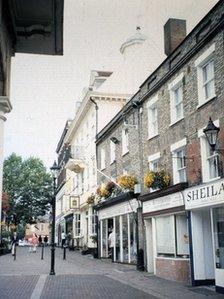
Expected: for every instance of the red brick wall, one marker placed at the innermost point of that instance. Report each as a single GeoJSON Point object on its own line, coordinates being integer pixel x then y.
{"type": "Point", "coordinates": [193, 162]}
{"type": "Point", "coordinates": [173, 269]}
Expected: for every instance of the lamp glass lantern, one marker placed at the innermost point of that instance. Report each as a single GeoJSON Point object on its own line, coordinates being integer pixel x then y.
{"type": "Point", "coordinates": [55, 170]}
{"type": "Point", "coordinates": [211, 132]}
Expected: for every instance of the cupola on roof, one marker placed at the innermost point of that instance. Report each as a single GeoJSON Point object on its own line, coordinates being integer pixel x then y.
{"type": "Point", "coordinates": [137, 38]}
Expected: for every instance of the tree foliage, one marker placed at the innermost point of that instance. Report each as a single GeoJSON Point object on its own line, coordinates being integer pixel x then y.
{"type": "Point", "coordinates": [28, 186]}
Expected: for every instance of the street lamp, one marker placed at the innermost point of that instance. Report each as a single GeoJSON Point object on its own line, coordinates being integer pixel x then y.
{"type": "Point", "coordinates": [54, 170]}
{"type": "Point", "coordinates": [211, 133]}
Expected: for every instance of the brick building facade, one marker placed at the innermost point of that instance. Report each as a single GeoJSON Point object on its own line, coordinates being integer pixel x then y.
{"type": "Point", "coordinates": [164, 122]}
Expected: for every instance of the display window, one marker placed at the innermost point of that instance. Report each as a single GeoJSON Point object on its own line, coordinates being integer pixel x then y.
{"type": "Point", "coordinates": [218, 224]}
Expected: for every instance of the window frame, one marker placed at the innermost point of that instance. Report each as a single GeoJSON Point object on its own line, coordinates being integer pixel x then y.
{"type": "Point", "coordinates": [173, 87]}
{"type": "Point", "coordinates": [174, 241]}
{"type": "Point", "coordinates": [204, 59]}
{"type": "Point", "coordinates": [152, 104]}
{"type": "Point", "coordinates": [112, 152]}
{"type": "Point", "coordinates": [205, 148]}
{"type": "Point", "coordinates": [125, 141]}
{"type": "Point", "coordinates": [174, 148]}
{"type": "Point", "coordinates": [152, 159]}
{"type": "Point", "coordinates": [102, 158]}
{"type": "Point", "coordinates": [77, 225]}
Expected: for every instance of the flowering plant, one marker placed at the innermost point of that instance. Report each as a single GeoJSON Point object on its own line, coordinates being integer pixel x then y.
{"type": "Point", "coordinates": [90, 200]}
{"type": "Point", "coordinates": [157, 179]}
{"type": "Point", "coordinates": [127, 181]}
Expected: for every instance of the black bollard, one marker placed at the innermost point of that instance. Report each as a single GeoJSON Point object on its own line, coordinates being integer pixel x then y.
{"type": "Point", "coordinates": [42, 251]}
{"type": "Point", "coordinates": [15, 252]}
{"type": "Point", "coordinates": [64, 252]}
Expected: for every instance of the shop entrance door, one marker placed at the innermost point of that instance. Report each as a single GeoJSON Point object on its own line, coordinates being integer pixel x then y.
{"type": "Point", "coordinates": [203, 260]}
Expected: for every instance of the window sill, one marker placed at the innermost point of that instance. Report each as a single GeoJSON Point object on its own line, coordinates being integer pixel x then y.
{"type": "Point", "coordinates": [111, 163]}
{"type": "Point", "coordinates": [101, 169]}
{"type": "Point", "coordinates": [207, 101]}
{"type": "Point", "coordinates": [212, 180]}
{"type": "Point", "coordinates": [176, 121]}
{"type": "Point", "coordinates": [153, 136]}
{"type": "Point", "coordinates": [173, 258]}
{"type": "Point", "coordinates": [124, 154]}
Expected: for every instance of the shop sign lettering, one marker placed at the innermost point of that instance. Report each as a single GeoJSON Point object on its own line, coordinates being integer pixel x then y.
{"type": "Point", "coordinates": [208, 194]}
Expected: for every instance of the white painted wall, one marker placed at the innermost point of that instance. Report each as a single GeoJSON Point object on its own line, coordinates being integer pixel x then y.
{"type": "Point", "coordinates": [202, 245]}
{"type": "Point", "coordinates": [149, 246]}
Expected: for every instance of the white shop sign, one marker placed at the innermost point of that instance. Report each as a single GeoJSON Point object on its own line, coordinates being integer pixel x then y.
{"type": "Point", "coordinates": [204, 195]}
{"type": "Point", "coordinates": [118, 209]}
{"type": "Point", "coordinates": [162, 203]}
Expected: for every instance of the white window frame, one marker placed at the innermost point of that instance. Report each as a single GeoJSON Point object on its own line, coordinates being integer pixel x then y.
{"type": "Point", "coordinates": [152, 159]}
{"type": "Point", "coordinates": [125, 141]}
{"type": "Point", "coordinates": [177, 146]}
{"type": "Point", "coordinates": [204, 158]}
{"type": "Point", "coordinates": [112, 152]}
{"type": "Point", "coordinates": [151, 105]}
{"type": "Point", "coordinates": [200, 62]}
{"type": "Point", "coordinates": [76, 222]}
{"type": "Point", "coordinates": [173, 86]}
{"type": "Point", "coordinates": [102, 159]}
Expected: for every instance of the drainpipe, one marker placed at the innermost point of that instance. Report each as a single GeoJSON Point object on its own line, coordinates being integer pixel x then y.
{"type": "Point", "coordinates": [96, 155]}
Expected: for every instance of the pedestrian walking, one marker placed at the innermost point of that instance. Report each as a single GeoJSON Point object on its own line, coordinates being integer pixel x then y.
{"type": "Point", "coordinates": [111, 241]}
{"type": "Point", "coordinates": [40, 240]}
{"type": "Point", "coordinates": [45, 240]}
{"type": "Point", "coordinates": [14, 241]}
{"type": "Point", "coordinates": [34, 243]}
{"type": "Point", "coordinates": [63, 239]}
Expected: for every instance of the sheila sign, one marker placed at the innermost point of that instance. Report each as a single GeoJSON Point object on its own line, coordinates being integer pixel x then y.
{"type": "Point", "coordinates": [204, 195]}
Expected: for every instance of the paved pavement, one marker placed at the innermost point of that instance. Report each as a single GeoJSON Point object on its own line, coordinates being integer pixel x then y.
{"type": "Point", "coordinates": [83, 277]}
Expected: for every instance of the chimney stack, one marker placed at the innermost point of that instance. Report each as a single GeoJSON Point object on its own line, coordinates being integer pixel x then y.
{"type": "Point", "coordinates": [174, 33]}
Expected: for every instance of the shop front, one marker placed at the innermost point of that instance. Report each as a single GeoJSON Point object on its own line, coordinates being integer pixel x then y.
{"type": "Point", "coordinates": [206, 205]}
{"type": "Point", "coordinates": [117, 236]}
{"type": "Point", "coordinates": [166, 230]}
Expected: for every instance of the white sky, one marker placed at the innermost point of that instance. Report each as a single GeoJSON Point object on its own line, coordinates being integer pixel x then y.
{"type": "Point", "coordinates": [44, 88]}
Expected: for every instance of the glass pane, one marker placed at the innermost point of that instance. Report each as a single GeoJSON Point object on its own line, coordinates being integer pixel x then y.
{"type": "Point", "coordinates": [125, 238]}
{"type": "Point", "coordinates": [218, 222]}
{"type": "Point", "coordinates": [179, 110]}
{"type": "Point", "coordinates": [117, 234]}
{"type": "Point", "coordinates": [209, 89]}
{"type": "Point", "coordinates": [213, 167]}
{"type": "Point", "coordinates": [182, 235]}
{"type": "Point", "coordinates": [165, 241]}
{"type": "Point", "coordinates": [182, 175]}
{"type": "Point", "coordinates": [133, 243]}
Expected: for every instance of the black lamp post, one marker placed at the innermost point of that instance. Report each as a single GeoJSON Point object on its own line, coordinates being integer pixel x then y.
{"type": "Point", "coordinates": [54, 170]}
{"type": "Point", "coordinates": [211, 133]}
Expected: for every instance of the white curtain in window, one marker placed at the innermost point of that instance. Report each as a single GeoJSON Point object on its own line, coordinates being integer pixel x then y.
{"type": "Point", "coordinates": [165, 237]}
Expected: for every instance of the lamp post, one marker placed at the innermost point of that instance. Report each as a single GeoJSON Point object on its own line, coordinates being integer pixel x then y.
{"type": "Point", "coordinates": [211, 133]}
{"type": "Point", "coordinates": [54, 170]}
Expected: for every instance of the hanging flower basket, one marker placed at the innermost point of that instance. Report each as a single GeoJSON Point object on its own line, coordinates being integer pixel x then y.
{"type": "Point", "coordinates": [157, 179]}
{"type": "Point", "coordinates": [127, 181]}
{"type": "Point", "coordinates": [91, 199]}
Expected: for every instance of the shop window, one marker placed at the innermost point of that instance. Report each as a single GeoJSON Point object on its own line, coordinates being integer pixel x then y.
{"type": "Point", "coordinates": [77, 218]}
{"type": "Point", "coordinates": [104, 238]}
{"type": "Point", "coordinates": [218, 222]}
{"type": "Point", "coordinates": [152, 118]}
{"type": "Point", "coordinates": [205, 74]}
{"type": "Point", "coordinates": [125, 141]}
{"type": "Point", "coordinates": [93, 224]}
{"type": "Point", "coordinates": [117, 239]}
{"type": "Point", "coordinates": [125, 238]}
{"type": "Point", "coordinates": [133, 240]}
{"type": "Point", "coordinates": [176, 99]}
{"type": "Point", "coordinates": [172, 236]}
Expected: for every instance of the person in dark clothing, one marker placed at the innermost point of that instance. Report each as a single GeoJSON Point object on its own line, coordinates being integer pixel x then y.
{"type": "Point", "coordinates": [45, 240]}
{"type": "Point", "coordinates": [40, 240]}
{"type": "Point", "coordinates": [14, 240]}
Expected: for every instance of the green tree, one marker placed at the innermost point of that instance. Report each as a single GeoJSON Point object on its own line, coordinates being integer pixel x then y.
{"type": "Point", "coordinates": [28, 186]}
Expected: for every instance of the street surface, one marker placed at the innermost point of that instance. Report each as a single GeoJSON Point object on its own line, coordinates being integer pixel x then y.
{"type": "Point", "coordinates": [84, 277]}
